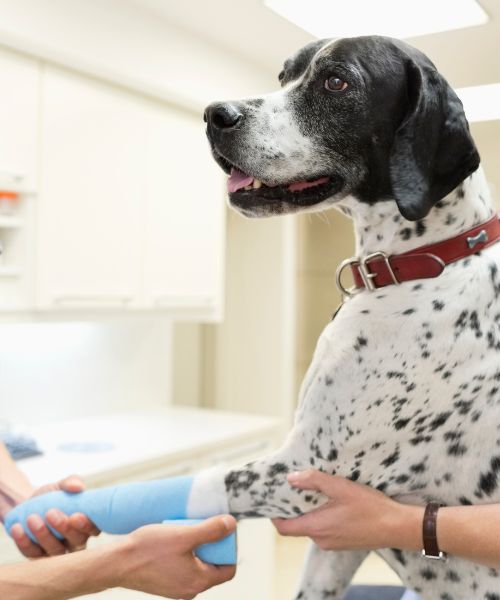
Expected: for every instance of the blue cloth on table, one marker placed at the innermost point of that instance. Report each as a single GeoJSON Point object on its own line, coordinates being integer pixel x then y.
{"type": "Point", "coordinates": [20, 445]}
{"type": "Point", "coordinates": [377, 592]}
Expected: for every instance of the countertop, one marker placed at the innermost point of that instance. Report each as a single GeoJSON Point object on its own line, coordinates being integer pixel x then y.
{"type": "Point", "coordinates": [104, 448]}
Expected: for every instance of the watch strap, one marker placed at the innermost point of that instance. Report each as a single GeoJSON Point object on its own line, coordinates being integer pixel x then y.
{"type": "Point", "coordinates": [429, 532]}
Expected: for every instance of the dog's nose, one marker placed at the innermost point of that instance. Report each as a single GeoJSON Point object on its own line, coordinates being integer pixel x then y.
{"type": "Point", "coordinates": [222, 116]}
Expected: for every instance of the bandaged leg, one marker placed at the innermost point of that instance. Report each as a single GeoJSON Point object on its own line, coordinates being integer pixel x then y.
{"type": "Point", "coordinates": [258, 489]}
{"type": "Point", "coordinates": [124, 508]}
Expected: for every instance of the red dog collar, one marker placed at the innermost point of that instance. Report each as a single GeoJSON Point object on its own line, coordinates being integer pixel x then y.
{"type": "Point", "coordinates": [379, 269]}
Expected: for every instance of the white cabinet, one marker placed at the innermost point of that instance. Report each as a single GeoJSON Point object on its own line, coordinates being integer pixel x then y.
{"type": "Point", "coordinates": [184, 235]}
{"type": "Point", "coordinates": [122, 207]}
{"type": "Point", "coordinates": [131, 208]}
{"type": "Point", "coordinates": [19, 113]}
{"type": "Point", "coordinates": [19, 85]}
{"type": "Point", "coordinates": [91, 200]}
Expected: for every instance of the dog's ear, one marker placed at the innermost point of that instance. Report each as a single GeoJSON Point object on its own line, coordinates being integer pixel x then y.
{"type": "Point", "coordinates": [433, 150]}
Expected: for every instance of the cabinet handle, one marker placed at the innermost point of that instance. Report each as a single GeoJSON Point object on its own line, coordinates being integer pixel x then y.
{"type": "Point", "coordinates": [12, 176]}
{"type": "Point", "coordinates": [15, 182]}
{"type": "Point", "coordinates": [89, 299]}
{"type": "Point", "coordinates": [184, 301]}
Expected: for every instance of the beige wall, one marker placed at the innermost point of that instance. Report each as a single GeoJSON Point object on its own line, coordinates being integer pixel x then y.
{"type": "Point", "coordinates": [324, 240]}
{"type": "Point", "coordinates": [487, 137]}
{"type": "Point", "coordinates": [247, 362]}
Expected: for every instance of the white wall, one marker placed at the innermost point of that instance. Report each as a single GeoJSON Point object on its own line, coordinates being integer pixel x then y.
{"type": "Point", "coordinates": [59, 370]}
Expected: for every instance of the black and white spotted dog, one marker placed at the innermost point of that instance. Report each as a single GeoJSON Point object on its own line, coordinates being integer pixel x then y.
{"type": "Point", "coordinates": [403, 392]}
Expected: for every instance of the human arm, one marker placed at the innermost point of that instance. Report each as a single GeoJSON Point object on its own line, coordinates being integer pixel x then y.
{"type": "Point", "coordinates": [15, 488]}
{"type": "Point", "coordinates": [359, 517]}
{"type": "Point", "coordinates": [156, 559]}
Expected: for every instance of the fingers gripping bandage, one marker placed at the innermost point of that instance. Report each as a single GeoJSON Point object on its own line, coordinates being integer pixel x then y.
{"type": "Point", "coordinates": [124, 508]}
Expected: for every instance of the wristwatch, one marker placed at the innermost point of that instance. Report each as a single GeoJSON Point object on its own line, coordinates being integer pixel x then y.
{"type": "Point", "coordinates": [429, 533]}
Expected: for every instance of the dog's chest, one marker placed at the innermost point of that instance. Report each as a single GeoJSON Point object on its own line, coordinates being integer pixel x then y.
{"type": "Point", "coordinates": [404, 388]}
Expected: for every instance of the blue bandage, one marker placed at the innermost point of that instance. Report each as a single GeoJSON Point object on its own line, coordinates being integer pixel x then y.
{"type": "Point", "coordinates": [122, 509]}
{"type": "Point", "coordinates": [119, 509]}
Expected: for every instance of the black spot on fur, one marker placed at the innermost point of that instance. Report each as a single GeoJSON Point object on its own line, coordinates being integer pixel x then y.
{"type": "Point", "coordinates": [332, 455]}
{"type": "Point", "coordinates": [488, 482]}
{"type": "Point", "coordinates": [452, 576]}
{"type": "Point", "coordinates": [420, 229]}
{"type": "Point", "coordinates": [428, 574]}
{"type": "Point", "coordinates": [439, 420]}
{"type": "Point", "coordinates": [399, 556]}
{"type": "Point", "coordinates": [391, 459]}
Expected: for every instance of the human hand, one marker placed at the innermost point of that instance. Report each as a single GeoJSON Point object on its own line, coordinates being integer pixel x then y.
{"type": "Point", "coordinates": [159, 559]}
{"type": "Point", "coordinates": [75, 529]}
{"type": "Point", "coordinates": [355, 516]}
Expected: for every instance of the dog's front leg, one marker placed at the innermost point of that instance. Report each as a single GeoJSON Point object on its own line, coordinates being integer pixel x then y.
{"type": "Point", "coordinates": [259, 488]}
{"type": "Point", "coordinates": [327, 574]}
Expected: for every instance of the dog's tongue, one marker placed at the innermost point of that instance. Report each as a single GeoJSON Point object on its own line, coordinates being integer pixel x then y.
{"type": "Point", "coordinates": [298, 186]}
{"type": "Point", "coordinates": [238, 180]}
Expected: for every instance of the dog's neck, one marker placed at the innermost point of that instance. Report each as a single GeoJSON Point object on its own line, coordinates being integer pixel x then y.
{"type": "Point", "coordinates": [380, 227]}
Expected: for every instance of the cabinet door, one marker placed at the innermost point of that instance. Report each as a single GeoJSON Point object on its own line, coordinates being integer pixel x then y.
{"type": "Point", "coordinates": [185, 228]}
{"type": "Point", "coordinates": [92, 194]}
{"type": "Point", "coordinates": [19, 84]}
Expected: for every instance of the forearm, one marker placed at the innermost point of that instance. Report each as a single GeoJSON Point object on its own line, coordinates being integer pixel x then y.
{"type": "Point", "coordinates": [14, 486]}
{"type": "Point", "coordinates": [58, 578]}
{"type": "Point", "coordinates": [469, 532]}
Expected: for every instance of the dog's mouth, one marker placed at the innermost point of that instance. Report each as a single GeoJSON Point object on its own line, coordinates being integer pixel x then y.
{"type": "Point", "coordinates": [248, 192]}
{"type": "Point", "coordinates": [255, 197]}
{"type": "Point", "coordinates": [241, 181]}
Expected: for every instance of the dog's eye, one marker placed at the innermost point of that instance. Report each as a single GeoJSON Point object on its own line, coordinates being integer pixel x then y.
{"type": "Point", "coordinates": [281, 75]}
{"type": "Point", "coordinates": [335, 84]}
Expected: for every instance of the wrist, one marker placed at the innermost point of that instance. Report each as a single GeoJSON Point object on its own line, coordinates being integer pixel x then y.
{"type": "Point", "coordinates": [444, 527]}
{"type": "Point", "coordinates": [128, 559]}
{"type": "Point", "coordinates": [404, 528]}
{"type": "Point", "coordinates": [111, 564]}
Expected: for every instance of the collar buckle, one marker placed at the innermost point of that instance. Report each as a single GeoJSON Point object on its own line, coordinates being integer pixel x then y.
{"type": "Point", "coordinates": [351, 291]}
{"type": "Point", "coordinates": [367, 275]}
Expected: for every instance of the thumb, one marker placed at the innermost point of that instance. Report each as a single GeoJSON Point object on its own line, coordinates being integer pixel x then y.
{"type": "Point", "coordinates": [298, 527]}
{"type": "Point", "coordinates": [71, 484]}
{"type": "Point", "coordinates": [212, 530]}
{"type": "Point", "coordinates": [313, 480]}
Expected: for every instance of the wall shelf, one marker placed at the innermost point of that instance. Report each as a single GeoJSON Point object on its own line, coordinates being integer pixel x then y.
{"type": "Point", "coordinates": [6, 271]}
{"type": "Point", "coordinates": [8, 222]}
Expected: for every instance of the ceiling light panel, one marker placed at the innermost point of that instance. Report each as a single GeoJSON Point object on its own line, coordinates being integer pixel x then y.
{"type": "Point", "coordinates": [395, 18]}
{"type": "Point", "coordinates": [481, 102]}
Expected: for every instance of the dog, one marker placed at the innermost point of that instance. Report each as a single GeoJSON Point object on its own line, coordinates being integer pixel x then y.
{"type": "Point", "coordinates": [403, 392]}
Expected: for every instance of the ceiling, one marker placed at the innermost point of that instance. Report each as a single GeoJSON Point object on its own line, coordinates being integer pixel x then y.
{"type": "Point", "coordinates": [466, 56]}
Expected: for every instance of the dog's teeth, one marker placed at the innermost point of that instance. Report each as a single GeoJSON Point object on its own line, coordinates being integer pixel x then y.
{"type": "Point", "coordinates": [257, 184]}
{"type": "Point", "coordinates": [248, 187]}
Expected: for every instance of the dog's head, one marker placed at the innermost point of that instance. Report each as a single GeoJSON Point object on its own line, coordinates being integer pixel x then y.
{"type": "Point", "coordinates": [369, 117]}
